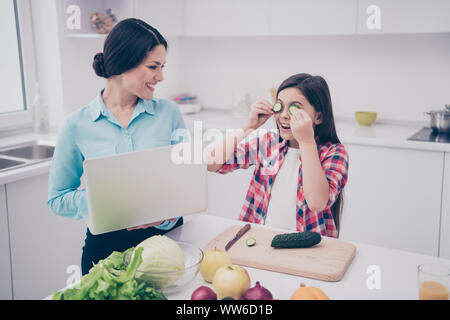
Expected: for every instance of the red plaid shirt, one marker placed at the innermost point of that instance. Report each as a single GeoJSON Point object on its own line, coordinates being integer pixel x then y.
{"type": "Point", "coordinates": [267, 153]}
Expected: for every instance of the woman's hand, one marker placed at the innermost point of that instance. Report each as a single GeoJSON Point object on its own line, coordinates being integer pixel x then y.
{"type": "Point", "coordinates": [148, 225]}
{"type": "Point", "coordinates": [145, 226]}
{"type": "Point", "coordinates": [260, 112]}
{"type": "Point", "coordinates": [302, 127]}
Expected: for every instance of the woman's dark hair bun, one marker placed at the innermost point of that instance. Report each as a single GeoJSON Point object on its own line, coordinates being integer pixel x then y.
{"type": "Point", "coordinates": [99, 65]}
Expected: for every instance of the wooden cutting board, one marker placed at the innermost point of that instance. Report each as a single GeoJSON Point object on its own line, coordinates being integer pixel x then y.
{"type": "Point", "coordinates": [326, 261]}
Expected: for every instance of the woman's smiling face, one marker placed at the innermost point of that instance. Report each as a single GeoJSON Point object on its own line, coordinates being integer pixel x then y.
{"type": "Point", "coordinates": [141, 81]}
{"type": "Point", "coordinates": [288, 97]}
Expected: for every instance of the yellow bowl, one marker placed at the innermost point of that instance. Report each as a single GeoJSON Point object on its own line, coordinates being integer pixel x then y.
{"type": "Point", "coordinates": [365, 118]}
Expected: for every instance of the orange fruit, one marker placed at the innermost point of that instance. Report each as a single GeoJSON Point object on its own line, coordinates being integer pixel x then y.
{"type": "Point", "coordinates": [309, 293]}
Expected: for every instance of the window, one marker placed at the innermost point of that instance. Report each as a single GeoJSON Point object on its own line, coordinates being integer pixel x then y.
{"type": "Point", "coordinates": [17, 76]}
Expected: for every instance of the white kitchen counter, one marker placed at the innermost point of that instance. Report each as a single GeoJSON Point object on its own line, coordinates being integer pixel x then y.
{"type": "Point", "coordinates": [385, 134]}
{"type": "Point", "coordinates": [398, 269]}
{"type": "Point", "coordinates": [30, 170]}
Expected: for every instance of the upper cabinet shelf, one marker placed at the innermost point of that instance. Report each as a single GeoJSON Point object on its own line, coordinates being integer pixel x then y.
{"type": "Point", "coordinates": [94, 18]}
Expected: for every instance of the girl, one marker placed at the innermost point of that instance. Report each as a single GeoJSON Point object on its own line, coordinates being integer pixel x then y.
{"type": "Point", "coordinates": [300, 170]}
{"type": "Point", "coordinates": [124, 117]}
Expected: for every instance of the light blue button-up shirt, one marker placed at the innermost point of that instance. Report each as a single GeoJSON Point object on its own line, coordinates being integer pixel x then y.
{"type": "Point", "coordinates": [94, 131]}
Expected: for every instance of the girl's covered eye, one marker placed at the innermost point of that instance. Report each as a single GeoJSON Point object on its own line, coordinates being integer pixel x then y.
{"type": "Point", "coordinates": [277, 107]}
{"type": "Point", "coordinates": [293, 107]}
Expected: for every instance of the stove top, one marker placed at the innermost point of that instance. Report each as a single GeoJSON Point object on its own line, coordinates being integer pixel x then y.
{"type": "Point", "coordinates": [427, 134]}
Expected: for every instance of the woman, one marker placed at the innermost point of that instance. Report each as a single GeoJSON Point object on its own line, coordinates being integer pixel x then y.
{"type": "Point", "coordinates": [301, 169]}
{"type": "Point", "coordinates": [124, 117]}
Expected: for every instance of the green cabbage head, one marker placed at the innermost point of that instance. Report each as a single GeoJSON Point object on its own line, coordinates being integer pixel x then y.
{"type": "Point", "coordinates": [162, 262]}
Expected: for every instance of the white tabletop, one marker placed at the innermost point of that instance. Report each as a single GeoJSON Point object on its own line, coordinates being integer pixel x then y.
{"type": "Point", "coordinates": [397, 269]}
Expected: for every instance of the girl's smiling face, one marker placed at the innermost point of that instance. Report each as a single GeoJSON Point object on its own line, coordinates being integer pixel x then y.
{"type": "Point", "coordinates": [288, 97]}
{"type": "Point", "coordinates": [141, 81]}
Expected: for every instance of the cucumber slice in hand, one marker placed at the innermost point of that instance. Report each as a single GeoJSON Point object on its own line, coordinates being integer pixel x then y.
{"type": "Point", "coordinates": [250, 242]}
{"type": "Point", "coordinates": [293, 107]}
{"type": "Point", "coordinates": [277, 107]}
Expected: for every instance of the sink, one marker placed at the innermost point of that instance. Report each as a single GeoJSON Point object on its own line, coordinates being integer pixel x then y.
{"type": "Point", "coordinates": [8, 163]}
{"type": "Point", "coordinates": [34, 150]}
{"type": "Point", "coordinates": [25, 154]}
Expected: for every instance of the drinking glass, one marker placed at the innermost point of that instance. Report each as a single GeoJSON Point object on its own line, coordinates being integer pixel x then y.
{"type": "Point", "coordinates": [433, 281]}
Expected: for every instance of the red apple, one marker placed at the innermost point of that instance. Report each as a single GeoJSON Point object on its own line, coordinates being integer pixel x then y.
{"type": "Point", "coordinates": [231, 281]}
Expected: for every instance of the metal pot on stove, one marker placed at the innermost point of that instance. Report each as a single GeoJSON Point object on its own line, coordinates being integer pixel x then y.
{"type": "Point", "coordinates": [440, 119]}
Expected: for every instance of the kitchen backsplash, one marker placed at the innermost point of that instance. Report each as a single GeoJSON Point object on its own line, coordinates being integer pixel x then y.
{"type": "Point", "coordinates": [399, 76]}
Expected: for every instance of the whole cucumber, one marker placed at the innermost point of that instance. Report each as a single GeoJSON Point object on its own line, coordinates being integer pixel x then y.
{"type": "Point", "coordinates": [304, 239]}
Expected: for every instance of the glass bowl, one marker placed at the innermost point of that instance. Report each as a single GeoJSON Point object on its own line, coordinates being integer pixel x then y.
{"type": "Point", "coordinates": [193, 256]}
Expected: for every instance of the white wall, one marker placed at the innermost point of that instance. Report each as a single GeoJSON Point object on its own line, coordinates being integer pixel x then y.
{"type": "Point", "coordinates": [399, 76]}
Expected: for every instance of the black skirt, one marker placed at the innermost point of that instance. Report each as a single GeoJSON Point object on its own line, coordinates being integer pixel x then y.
{"type": "Point", "coordinates": [98, 247]}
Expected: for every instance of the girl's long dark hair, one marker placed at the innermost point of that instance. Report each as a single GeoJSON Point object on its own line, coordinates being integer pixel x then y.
{"type": "Point", "coordinates": [316, 90]}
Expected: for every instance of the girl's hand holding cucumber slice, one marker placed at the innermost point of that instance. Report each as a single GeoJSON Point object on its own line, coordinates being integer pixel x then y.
{"type": "Point", "coordinates": [301, 126]}
{"type": "Point", "coordinates": [260, 112]}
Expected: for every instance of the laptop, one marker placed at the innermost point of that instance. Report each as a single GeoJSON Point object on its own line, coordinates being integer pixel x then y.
{"type": "Point", "coordinates": [132, 189]}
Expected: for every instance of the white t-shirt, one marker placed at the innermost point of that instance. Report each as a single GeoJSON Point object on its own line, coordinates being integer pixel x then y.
{"type": "Point", "coordinates": [281, 212]}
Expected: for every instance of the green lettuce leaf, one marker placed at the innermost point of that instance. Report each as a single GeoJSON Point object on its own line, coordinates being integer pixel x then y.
{"type": "Point", "coordinates": [111, 279]}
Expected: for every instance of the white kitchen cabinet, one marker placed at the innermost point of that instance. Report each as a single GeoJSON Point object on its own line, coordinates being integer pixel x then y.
{"type": "Point", "coordinates": [249, 17]}
{"type": "Point", "coordinates": [5, 261]}
{"type": "Point", "coordinates": [393, 198]}
{"type": "Point", "coordinates": [444, 243]}
{"type": "Point", "coordinates": [43, 245]}
{"type": "Point", "coordinates": [305, 17]}
{"type": "Point", "coordinates": [226, 18]}
{"type": "Point", "coordinates": [226, 192]}
{"type": "Point", "coordinates": [294, 17]}
{"type": "Point", "coordinates": [166, 16]}
{"type": "Point", "coordinates": [403, 16]}
{"type": "Point", "coordinates": [205, 17]}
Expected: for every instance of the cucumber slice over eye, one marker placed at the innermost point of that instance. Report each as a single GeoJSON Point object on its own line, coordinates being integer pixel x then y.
{"type": "Point", "coordinates": [277, 107]}
{"type": "Point", "coordinates": [250, 242]}
{"type": "Point", "coordinates": [293, 107]}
